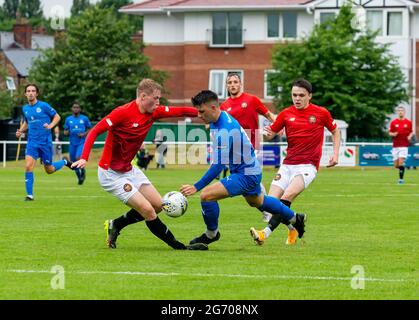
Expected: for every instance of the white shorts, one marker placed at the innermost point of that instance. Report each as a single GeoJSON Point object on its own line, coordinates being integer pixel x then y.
{"type": "Point", "coordinates": [400, 152]}
{"type": "Point", "coordinates": [122, 184]}
{"type": "Point", "coordinates": [288, 171]}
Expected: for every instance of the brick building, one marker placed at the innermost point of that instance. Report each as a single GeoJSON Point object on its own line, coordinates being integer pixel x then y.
{"type": "Point", "coordinates": [199, 41]}
{"type": "Point", "coordinates": [18, 49]}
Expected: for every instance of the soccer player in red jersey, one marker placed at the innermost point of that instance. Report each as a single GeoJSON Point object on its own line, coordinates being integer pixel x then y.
{"type": "Point", "coordinates": [304, 125]}
{"type": "Point", "coordinates": [402, 132]}
{"type": "Point", "coordinates": [245, 108]}
{"type": "Point", "coordinates": [127, 128]}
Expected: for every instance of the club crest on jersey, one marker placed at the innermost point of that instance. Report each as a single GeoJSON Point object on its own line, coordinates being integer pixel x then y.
{"type": "Point", "coordinates": [277, 177]}
{"type": "Point", "coordinates": [244, 105]}
{"type": "Point", "coordinates": [38, 110]}
{"type": "Point", "coordinates": [312, 119]}
{"type": "Point", "coordinates": [127, 187]}
{"type": "Point", "coordinates": [135, 125]}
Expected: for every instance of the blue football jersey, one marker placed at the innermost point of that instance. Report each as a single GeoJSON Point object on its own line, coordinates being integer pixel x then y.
{"type": "Point", "coordinates": [37, 116]}
{"type": "Point", "coordinates": [77, 125]}
{"type": "Point", "coordinates": [232, 146]}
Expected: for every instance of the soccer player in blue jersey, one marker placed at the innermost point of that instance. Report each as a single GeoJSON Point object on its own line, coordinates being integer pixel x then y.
{"type": "Point", "coordinates": [231, 147]}
{"type": "Point", "coordinates": [39, 119]}
{"type": "Point", "coordinates": [77, 126]}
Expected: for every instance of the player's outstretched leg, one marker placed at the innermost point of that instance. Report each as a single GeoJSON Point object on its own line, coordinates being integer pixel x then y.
{"type": "Point", "coordinates": [210, 212]}
{"type": "Point", "coordinates": [299, 225]}
{"type": "Point", "coordinates": [281, 212]}
{"type": "Point", "coordinates": [205, 239]}
{"type": "Point", "coordinates": [112, 233]}
{"type": "Point", "coordinates": [161, 231]}
{"type": "Point", "coordinates": [66, 162]}
{"type": "Point", "coordinates": [29, 186]}
{"type": "Point", "coordinates": [114, 227]}
{"type": "Point", "coordinates": [401, 174]}
{"type": "Point", "coordinates": [258, 236]}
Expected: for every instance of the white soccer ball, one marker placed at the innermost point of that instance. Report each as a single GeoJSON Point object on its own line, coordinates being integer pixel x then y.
{"type": "Point", "coordinates": [174, 204]}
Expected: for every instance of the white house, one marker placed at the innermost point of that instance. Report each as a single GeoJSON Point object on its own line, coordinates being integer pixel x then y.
{"type": "Point", "coordinates": [198, 42]}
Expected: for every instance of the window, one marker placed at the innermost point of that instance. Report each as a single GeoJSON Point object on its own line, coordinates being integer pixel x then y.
{"type": "Point", "coordinates": [217, 81]}
{"type": "Point", "coordinates": [10, 83]}
{"type": "Point", "coordinates": [227, 29]}
{"type": "Point", "coordinates": [324, 16]}
{"type": "Point", "coordinates": [273, 25]}
{"type": "Point", "coordinates": [287, 21]}
{"type": "Point", "coordinates": [270, 92]}
{"type": "Point", "coordinates": [394, 24]}
{"type": "Point", "coordinates": [375, 21]}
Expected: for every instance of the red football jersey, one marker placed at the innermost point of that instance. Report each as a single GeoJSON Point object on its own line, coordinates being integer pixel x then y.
{"type": "Point", "coordinates": [403, 129]}
{"type": "Point", "coordinates": [245, 110]}
{"type": "Point", "coordinates": [305, 133]}
{"type": "Point", "coordinates": [127, 128]}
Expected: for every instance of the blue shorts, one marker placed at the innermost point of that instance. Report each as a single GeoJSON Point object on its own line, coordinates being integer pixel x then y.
{"type": "Point", "coordinates": [240, 184]}
{"type": "Point", "coordinates": [43, 151]}
{"type": "Point", "coordinates": [75, 151]}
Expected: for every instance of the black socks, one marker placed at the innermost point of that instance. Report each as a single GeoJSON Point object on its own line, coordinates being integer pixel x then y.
{"type": "Point", "coordinates": [159, 229]}
{"type": "Point", "coordinates": [128, 218]}
{"type": "Point", "coordinates": [401, 172]}
{"type": "Point", "coordinates": [276, 218]}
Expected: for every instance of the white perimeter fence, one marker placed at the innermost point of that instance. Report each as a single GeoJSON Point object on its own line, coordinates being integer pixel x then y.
{"type": "Point", "coordinates": [196, 153]}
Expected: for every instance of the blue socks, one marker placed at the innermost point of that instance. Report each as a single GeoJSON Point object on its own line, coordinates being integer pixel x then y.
{"type": "Point", "coordinates": [29, 183]}
{"type": "Point", "coordinates": [58, 164]}
{"type": "Point", "coordinates": [211, 212]}
{"type": "Point", "coordinates": [274, 206]}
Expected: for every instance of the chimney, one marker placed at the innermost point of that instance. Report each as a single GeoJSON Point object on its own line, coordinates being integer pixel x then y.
{"type": "Point", "coordinates": [22, 32]}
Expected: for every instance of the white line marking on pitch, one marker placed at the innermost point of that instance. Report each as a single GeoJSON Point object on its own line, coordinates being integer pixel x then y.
{"type": "Point", "coordinates": [214, 275]}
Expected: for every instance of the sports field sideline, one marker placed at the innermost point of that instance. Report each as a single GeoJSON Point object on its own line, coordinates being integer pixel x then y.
{"type": "Point", "coordinates": [358, 220]}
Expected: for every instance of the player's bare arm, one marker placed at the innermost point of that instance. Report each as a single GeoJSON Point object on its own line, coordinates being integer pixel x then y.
{"type": "Point", "coordinates": [188, 190]}
{"type": "Point", "coordinates": [393, 134]}
{"type": "Point", "coordinates": [84, 134]}
{"type": "Point", "coordinates": [269, 133]}
{"type": "Point", "coordinates": [22, 130]}
{"type": "Point", "coordinates": [79, 164]}
{"type": "Point", "coordinates": [410, 136]}
{"type": "Point", "coordinates": [270, 116]}
{"type": "Point", "coordinates": [54, 122]}
{"type": "Point", "coordinates": [336, 145]}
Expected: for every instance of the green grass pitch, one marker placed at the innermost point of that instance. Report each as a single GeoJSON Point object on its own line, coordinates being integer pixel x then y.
{"type": "Point", "coordinates": [355, 218]}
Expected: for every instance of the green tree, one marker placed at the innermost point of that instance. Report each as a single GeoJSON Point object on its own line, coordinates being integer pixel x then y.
{"type": "Point", "coordinates": [116, 4]}
{"type": "Point", "coordinates": [79, 6]}
{"type": "Point", "coordinates": [31, 9]}
{"type": "Point", "coordinates": [96, 64]}
{"type": "Point", "coordinates": [352, 75]}
{"type": "Point", "coordinates": [10, 8]}
{"type": "Point", "coordinates": [136, 21]}
{"type": "Point", "coordinates": [6, 101]}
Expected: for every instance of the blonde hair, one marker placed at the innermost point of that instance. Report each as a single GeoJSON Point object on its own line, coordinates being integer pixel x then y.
{"type": "Point", "coordinates": [148, 86]}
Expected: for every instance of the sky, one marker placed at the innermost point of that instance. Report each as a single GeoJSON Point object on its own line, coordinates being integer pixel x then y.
{"type": "Point", "coordinates": [50, 6]}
